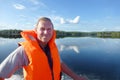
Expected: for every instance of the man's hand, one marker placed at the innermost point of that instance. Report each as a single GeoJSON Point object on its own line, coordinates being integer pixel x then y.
{"type": "Point", "coordinates": [80, 78]}
{"type": "Point", "coordinates": [70, 73]}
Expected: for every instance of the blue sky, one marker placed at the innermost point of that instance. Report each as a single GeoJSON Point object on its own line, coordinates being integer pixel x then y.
{"type": "Point", "coordinates": [94, 15]}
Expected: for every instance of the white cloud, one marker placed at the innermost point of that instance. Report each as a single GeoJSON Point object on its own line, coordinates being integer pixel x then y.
{"type": "Point", "coordinates": [76, 20]}
{"type": "Point", "coordinates": [4, 26]}
{"type": "Point", "coordinates": [104, 29]}
{"type": "Point", "coordinates": [19, 6]}
{"type": "Point", "coordinates": [22, 16]}
{"type": "Point", "coordinates": [34, 2]}
{"type": "Point", "coordinates": [62, 21]}
{"type": "Point", "coordinates": [42, 4]}
{"type": "Point", "coordinates": [38, 3]}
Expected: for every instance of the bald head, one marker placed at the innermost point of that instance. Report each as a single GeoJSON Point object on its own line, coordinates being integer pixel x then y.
{"type": "Point", "coordinates": [43, 19]}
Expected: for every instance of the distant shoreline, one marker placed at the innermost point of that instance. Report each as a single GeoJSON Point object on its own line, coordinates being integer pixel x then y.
{"type": "Point", "coordinates": [14, 33]}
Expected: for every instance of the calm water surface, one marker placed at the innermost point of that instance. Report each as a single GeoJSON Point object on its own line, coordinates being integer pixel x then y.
{"type": "Point", "coordinates": [97, 58]}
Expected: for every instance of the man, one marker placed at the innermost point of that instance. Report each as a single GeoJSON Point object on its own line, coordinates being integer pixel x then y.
{"type": "Point", "coordinates": [37, 55]}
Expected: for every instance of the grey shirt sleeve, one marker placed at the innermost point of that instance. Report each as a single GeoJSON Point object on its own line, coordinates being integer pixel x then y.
{"type": "Point", "coordinates": [13, 62]}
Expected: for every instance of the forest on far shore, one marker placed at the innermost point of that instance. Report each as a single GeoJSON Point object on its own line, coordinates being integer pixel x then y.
{"type": "Point", "coordinates": [14, 33]}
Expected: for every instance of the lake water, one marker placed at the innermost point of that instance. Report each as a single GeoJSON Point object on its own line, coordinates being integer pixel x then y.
{"type": "Point", "coordinates": [96, 58]}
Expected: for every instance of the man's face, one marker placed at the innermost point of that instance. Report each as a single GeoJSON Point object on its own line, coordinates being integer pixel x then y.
{"type": "Point", "coordinates": [44, 31]}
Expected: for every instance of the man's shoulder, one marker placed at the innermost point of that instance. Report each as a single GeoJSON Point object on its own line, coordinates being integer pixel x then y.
{"type": "Point", "coordinates": [19, 51]}
{"type": "Point", "coordinates": [20, 48]}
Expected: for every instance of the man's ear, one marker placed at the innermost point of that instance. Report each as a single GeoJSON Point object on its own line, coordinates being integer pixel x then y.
{"type": "Point", "coordinates": [35, 30]}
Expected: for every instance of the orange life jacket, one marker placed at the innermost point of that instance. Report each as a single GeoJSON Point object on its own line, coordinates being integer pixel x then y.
{"type": "Point", "coordinates": [38, 68]}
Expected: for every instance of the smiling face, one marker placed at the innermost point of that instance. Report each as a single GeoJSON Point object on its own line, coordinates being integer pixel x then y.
{"type": "Point", "coordinates": [44, 31]}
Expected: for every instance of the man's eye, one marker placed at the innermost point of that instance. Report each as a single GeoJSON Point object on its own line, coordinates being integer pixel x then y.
{"type": "Point", "coordinates": [49, 29]}
{"type": "Point", "coordinates": [42, 29]}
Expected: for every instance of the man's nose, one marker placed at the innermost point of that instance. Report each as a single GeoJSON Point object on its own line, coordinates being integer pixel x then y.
{"type": "Point", "coordinates": [45, 31]}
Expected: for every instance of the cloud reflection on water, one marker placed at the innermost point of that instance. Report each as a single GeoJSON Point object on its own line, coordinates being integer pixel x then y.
{"type": "Point", "coordinates": [69, 47]}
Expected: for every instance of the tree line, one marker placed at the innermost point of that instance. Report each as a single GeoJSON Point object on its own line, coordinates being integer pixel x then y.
{"type": "Point", "coordinates": [14, 33]}
{"type": "Point", "coordinates": [105, 34]}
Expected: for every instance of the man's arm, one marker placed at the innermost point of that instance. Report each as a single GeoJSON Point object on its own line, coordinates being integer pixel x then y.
{"type": "Point", "coordinates": [14, 61]}
{"type": "Point", "coordinates": [70, 73]}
